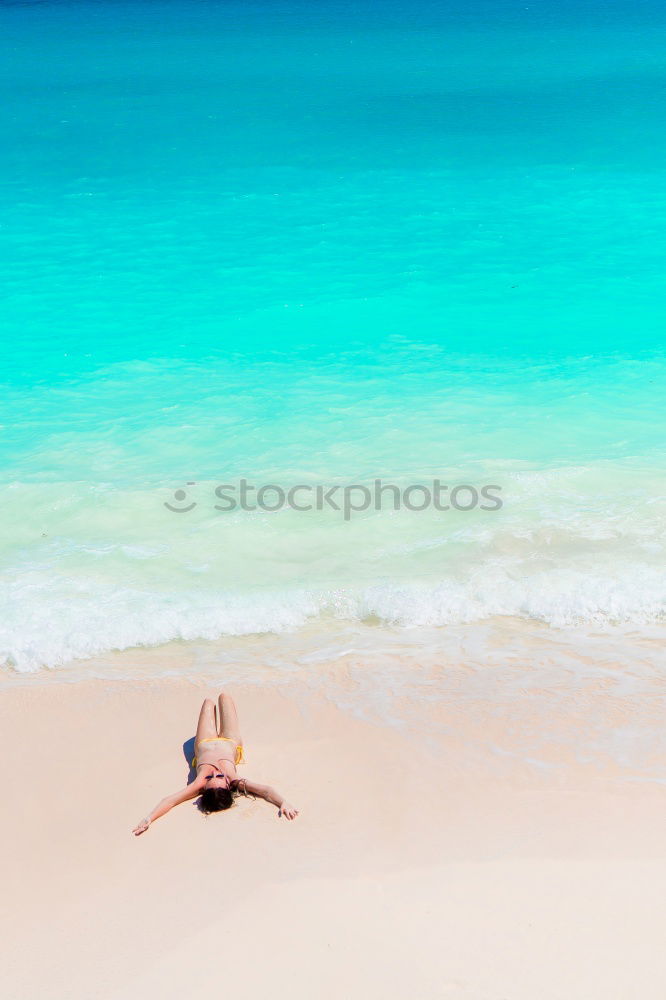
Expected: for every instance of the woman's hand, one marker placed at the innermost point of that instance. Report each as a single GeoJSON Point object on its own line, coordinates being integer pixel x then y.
{"type": "Point", "coordinates": [269, 794]}
{"type": "Point", "coordinates": [141, 827]}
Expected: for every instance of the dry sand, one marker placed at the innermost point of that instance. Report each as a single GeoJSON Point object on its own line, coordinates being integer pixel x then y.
{"type": "Point", "coordinates": [404, 875]}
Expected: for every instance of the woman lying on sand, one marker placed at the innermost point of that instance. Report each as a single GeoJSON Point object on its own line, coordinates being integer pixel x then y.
{"type": "Point", "coordinates": [217, 754]}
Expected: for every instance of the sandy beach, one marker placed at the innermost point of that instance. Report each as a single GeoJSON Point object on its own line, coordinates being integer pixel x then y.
{"type": "Point", "coordinates": [404, 873]}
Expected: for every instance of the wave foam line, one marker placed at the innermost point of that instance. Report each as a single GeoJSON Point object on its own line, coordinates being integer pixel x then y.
{"type": "Point", "coordinates": [61, 626]}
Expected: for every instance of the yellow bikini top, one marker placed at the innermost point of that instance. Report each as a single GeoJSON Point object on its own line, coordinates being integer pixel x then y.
{"type": "Point", "coordinates": [240, 756]}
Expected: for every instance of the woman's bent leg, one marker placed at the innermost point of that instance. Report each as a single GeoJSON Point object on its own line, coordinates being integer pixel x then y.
{"type": "Point", "coordinates": [206, 728]}
{"type": "Point", "coordinates": [229, 725]}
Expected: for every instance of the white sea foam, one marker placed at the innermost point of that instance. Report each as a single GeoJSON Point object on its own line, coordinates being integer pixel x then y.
{"type": "Point", "coordinates": [49, 622]}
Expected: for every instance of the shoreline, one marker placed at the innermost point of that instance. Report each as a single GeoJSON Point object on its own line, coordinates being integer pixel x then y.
{"type": "Point", "coordinates": [492, 697]}
{"type": "Point", "coordinates": [327, 640]}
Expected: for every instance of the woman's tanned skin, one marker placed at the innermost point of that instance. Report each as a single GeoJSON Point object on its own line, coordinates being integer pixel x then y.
{"type": "Point", "coordinates": [216, 766]}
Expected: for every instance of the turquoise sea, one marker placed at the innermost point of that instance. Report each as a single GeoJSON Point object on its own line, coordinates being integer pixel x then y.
{"type": "Point", "coordinates": [327, 243]}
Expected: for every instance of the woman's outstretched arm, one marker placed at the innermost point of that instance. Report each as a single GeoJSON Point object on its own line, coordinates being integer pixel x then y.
{"type": "Point", "coordinates": [247, 787]}
{"type": "Point", "coordinates": [190, 792]}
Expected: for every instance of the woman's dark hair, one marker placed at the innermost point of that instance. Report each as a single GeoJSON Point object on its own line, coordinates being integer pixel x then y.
{"type": "Point", "coordinates": [215, 799]}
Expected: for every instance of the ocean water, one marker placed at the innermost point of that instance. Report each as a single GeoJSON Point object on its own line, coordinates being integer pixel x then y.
{"type": "Point", "coordinates": [322, 245]}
